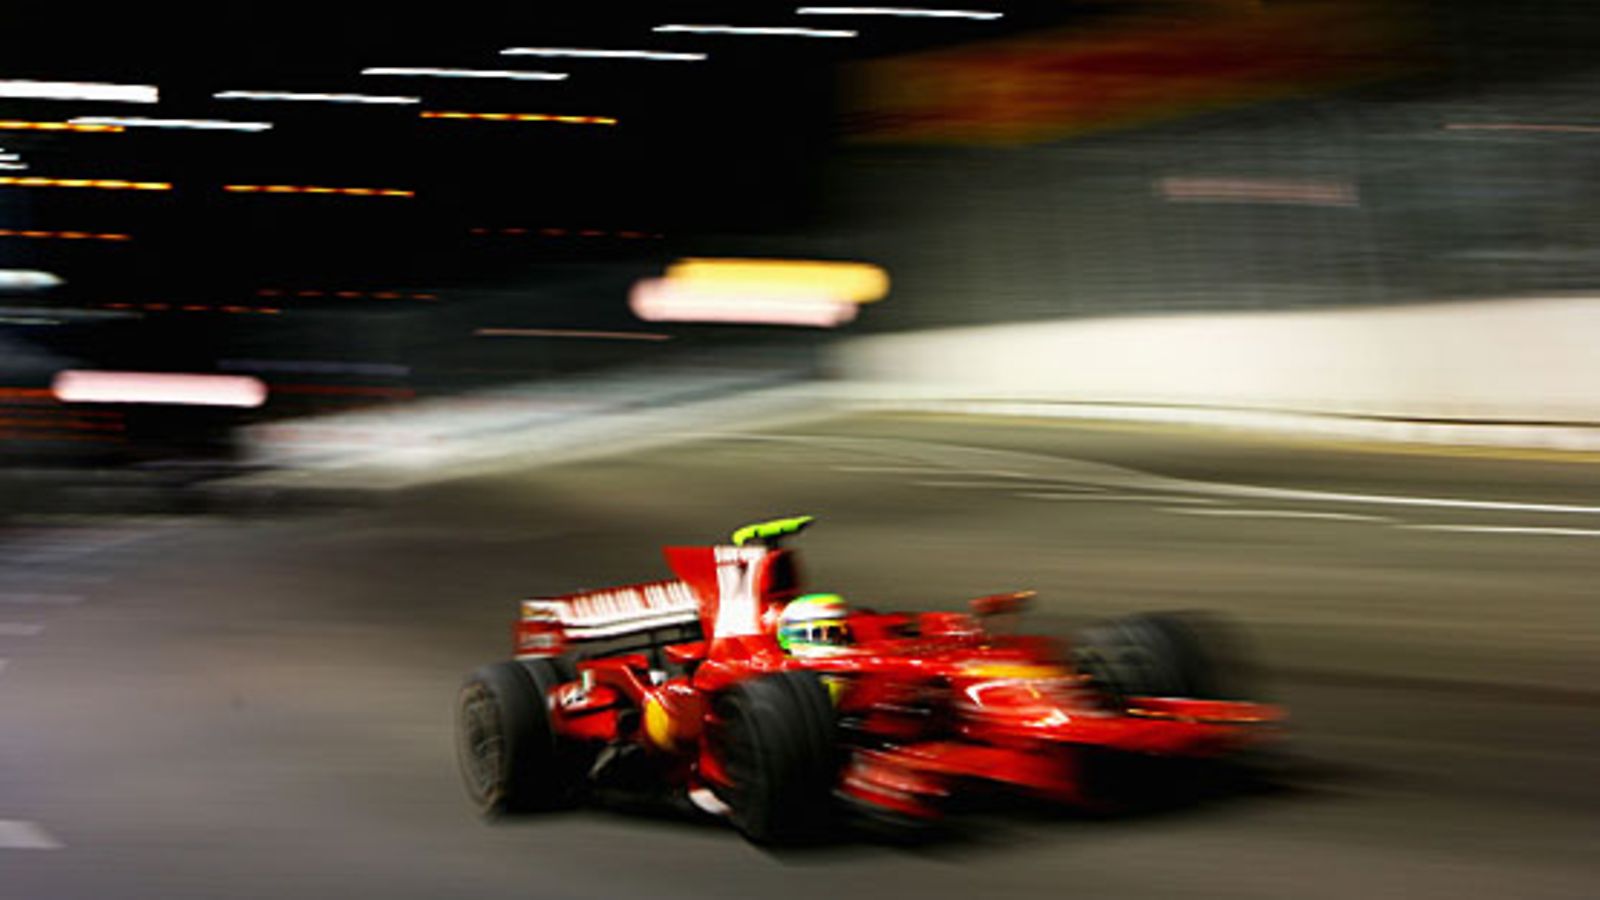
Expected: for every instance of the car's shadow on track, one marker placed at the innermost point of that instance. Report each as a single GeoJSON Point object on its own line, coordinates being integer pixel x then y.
{"type": "Point", "coordinates": [1172, 791]}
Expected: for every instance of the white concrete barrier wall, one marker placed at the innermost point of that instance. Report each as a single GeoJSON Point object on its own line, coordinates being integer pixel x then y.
{"type": "Point", "coordinates": [1525, 360]}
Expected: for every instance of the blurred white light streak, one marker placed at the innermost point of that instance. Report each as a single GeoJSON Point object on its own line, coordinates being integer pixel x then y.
{"type": "Point", "coordinates": [1281, 514]}
{"type": "Point", "coordinates": [16, 834]}
{"type": "Point", "coordinates": [13, 165]}
{"type": "Point", "coordinates": [572, 333]}
{"type": "Point", "coordinates": [26, 279]}
{"type": "Point", "coordinates": [466, 73]}
{"type": "Point", "coordinates": [9, 157]}
{"type": "Point", "coordinates": [190, 124]}
{"type": "Point", "coordinates": [583, 53]}
{"type": "Point", "coordinates": [316, 98]}
{"type": "Point", "coordinates": [769, 30]}
{"type": "Point", "coordinates": [83, 386]}
{"type": "Point", "coordinates": [668, 300]}
{"type": "Point", "coordinates": [79, 90]}
{"type": "Point", "coordinates": [1507, 529]}
{"type": "Point", "coordinates": [981, 15]}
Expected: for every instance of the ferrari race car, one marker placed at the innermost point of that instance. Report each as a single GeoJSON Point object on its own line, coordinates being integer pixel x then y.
{"type": "Point", "coordinates": [730, 687]}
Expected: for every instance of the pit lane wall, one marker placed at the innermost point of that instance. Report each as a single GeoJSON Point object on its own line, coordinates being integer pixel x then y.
{"type": "Point", "coordinates": [1515, 372]}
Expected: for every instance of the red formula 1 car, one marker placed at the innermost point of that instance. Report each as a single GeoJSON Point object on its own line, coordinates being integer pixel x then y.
{"type": "Point", "coordinates": [732, 688]}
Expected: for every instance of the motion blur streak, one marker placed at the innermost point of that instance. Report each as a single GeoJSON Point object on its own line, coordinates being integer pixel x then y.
{"type": "Point", "coordinates": [766, 30]}
{"type": "Point", "coordinates": [27, 279]}
{"type": "Point", "coordinates": [21, 125]}
{"type": "Point", "coordinates": [321, 367]}
{"type": "Point", "coordinates": [582, 53]}
{"type": "Point", "coordinates": [627, 234]}
{"type": "Point", "coordinates": [670, 300]}
{"type": "Point", "coordinates": [314, 189]}
{"type": "Point", "coordinates": [840, 282]}
{"type": "Point", "coordinates": [14, 166]}
{"type": "Point", "coordinates": [345, 294]}
{"type": "Point", "coordinates": [1515, 126]}
{"type": "Point", "coordinates": [189, 124]}
{"type": "Point", "coordinates": [465, 73]}
{"type": "Point", "coordinates": [105, 184]}
{"type": "Point", "coordinates": [521, 117]}
{"type": "Point", "coordinates": [346, 390]}
{"type": "Point", "coordinates": [79, 90]}
{"type": "Point", "coordinates": [316, 98]}
{"type": "Point", "coordinates": [1259, 190]}
{"type": "Point", "coordinates": [572, 333]}
{"type": "Point", "coordinates": [981, 15]}
{"type": "Point", "coordinates": [78, 386]}
{"type": "Point", "coordinates": [65, 235]}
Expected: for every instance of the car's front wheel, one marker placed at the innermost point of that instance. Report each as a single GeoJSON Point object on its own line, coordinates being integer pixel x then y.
{"type": "Point", "coordinates": [777, 742]}
{"type": "Point", "coordinates": [511, 758]}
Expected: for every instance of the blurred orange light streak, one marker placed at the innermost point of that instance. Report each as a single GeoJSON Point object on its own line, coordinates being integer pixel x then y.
{"type": "Point", "coordinates": [312, 189]}
{"type": "Point", "coordinates": [19, 125]}
{"type": "Point", "coordinates": [1259, 190]}
{"type": "Point", "coordinates": [521, 117]}
{"type": "Point", "coordinates": [105, 184]}
{"type": "Point", "coordinates": [65, 235]}
{"type": "Point", "coordinates": [69, 425]}
{"type": "Point", "coordinates": [573, 333]}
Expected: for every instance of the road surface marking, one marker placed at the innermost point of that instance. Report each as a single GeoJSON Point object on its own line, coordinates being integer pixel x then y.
{"type": "Point", "coordinates": [16, 834]}
{"type": "Point", "coordinates": [1279, 514]}
{"type": "Point", "coordinates": [1507, 529]}
{"type": "Point", "coordinates": [20, 629]}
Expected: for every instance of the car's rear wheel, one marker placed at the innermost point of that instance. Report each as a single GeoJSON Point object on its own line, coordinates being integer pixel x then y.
{"type": "Point", "coordinates": [777, 742]}
{"type": "Point", "coordinates": [511, 758]}
{"type": "Point", "coordinates": [1160, 655]}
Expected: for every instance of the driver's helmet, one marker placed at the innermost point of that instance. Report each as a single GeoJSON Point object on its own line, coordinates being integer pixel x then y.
{"type": "Point", "coordinates": [814, 625]}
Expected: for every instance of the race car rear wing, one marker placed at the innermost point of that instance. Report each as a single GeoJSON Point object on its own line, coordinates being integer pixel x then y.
{"type": "Point", "coordinates": [548, 626]}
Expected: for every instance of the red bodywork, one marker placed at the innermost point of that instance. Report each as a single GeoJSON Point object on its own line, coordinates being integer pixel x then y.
{"type": "Point", "coordinates": [929, 704]}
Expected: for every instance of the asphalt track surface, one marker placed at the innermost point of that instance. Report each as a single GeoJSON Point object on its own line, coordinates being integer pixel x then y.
{"type": "Point", "coordinates": [231, 707]}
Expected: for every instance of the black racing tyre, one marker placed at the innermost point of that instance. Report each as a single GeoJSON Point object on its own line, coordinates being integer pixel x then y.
{"type": "Point", "coordinates": [777, 739]}
{"type": "Point", "coordinates": [1160, 655]}
{"type": "Point", "coordinates": [511, 759]}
